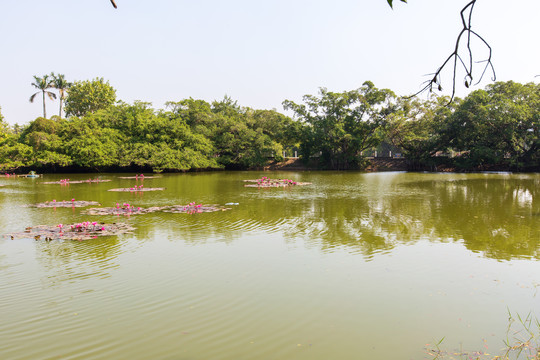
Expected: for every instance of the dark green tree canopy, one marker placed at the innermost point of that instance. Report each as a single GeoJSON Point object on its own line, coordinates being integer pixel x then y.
{"type": "Point", "coordinates": [501, 122]}
{"type": "Point", "coordinates": [339, 126]}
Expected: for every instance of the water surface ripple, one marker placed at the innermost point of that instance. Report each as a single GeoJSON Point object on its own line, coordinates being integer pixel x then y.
{"type": "Point", "coordinates": [348, 267]}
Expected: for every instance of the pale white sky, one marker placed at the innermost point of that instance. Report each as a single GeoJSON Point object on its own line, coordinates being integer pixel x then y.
{"type": "Point", "coordinates": [259, 53]}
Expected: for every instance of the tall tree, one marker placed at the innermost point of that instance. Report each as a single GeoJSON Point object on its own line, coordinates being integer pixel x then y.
{"type": "Point", "coordinates": [339, 126]}
{"type": "Point", "coordinates": [43, 84]}
{"type": "Point", "coordinates": [499, 124]}
{"type": "Point", "coordinates": [89, 96]}
{"type": "Point", "coordinates": [62, 85]}
{"type": "Point", "coordinates": [418, 126]}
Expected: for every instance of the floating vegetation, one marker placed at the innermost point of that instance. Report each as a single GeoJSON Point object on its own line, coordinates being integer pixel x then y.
{"type": "Point", "coordinates": [67, 204]}
{"type": "Point", "coordinates": [137, 189]}
{"type": "Point", "coordinates": [141, 176]}
{"type": "Point", "coordinates": [128, 209]}
{"type": "Point", "coordinates": [193, 208]}
{"type": "Point", "coordinates": [68, 181]}
{"type": "Point", "coordinates": [81, 231]}
{"type": "Point", "coordinates": [125, 209]}
{"type": "Point", "coordinates": [266, 182]}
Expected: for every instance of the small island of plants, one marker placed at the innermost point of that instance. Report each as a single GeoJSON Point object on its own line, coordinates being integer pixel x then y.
{"type": "Point", "coordinates": [69, 182]}
{"type": "Point", "coordinates": [128, 209]}
{"type": "Point", "coordinates": [265, 182]}
{"type": "Point", "coordinates": [64, 203]}
{"type": "Point", "coordinates": [80, 231]}
{"type": "Point", "coordinates": [136, 188]}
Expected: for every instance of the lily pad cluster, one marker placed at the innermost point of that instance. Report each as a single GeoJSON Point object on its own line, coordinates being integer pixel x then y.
{"type": "Point", "coordinates": [64, 203]}
{"type": "Point", "coordinates": [68, 181]}
{"type": "Point", "coordinates": [141, 176]}
{"type": "Point", "coordinates": [81, 231]}
{"type": "Point", "coordinates": [124, 209]}
{"type": "Point", "coordinates": [137, 189]}
{"type": "Point", "coordinates": [266, 182]}
{"type": "Point", "coordinates": [127, 209]}
{"type": "Point", "coordinates": [193, 208]}
{"type": "Point", "coordinates": [90, 230]}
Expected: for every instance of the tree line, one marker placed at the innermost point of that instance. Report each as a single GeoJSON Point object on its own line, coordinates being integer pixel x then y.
{"type": "Point", "coordinates": [494, 127]}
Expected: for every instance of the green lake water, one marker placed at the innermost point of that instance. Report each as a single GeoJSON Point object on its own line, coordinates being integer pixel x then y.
{"type": "Point", "coordinates": [353, 266]}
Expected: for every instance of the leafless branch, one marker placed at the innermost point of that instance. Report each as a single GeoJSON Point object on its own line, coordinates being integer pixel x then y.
{"type": "Point", "coordinates": [456, 58]}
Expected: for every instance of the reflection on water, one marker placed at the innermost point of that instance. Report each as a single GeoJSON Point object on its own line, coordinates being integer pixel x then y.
{"type": "Point", "coordinates": [347, 267]}
{"type": "Point", "coordinates": [366, 213]}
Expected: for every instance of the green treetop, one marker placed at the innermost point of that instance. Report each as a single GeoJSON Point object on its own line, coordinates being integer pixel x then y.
{"type": "Point", "coordinates": [89, 96]}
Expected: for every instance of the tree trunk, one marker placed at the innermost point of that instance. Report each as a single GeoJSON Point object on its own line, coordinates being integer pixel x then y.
{"type": "Point", "coordinates": [61, 98]}
{"type": "Point", "coordinates": [44, 112]}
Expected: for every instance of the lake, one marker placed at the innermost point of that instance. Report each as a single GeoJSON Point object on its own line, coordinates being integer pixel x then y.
{"type": "Point", "coordinates": [353, 266]}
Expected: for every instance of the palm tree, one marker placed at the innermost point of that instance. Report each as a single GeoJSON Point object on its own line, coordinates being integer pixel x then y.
{"type": "Point", "coordinates": [43, 84]}
{"type": "Point", "coordinates": [62, 85]}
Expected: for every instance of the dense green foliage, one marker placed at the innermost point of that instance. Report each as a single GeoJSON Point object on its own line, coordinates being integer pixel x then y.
{"type": "Point", "coordinates": [501, 123]}
{"type": "Point", "coordinates": [340, 126]}
{"type": "Point", "coordinates": [498, 126]}
{"type": "Point", "coordinates": [418, 128]}
{"type": "Point", "coordinates": [89, 96]}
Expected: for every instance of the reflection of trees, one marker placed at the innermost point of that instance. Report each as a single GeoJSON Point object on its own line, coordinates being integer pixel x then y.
{"type": "Point", "coordinates": [495, 216]}
{"type": "Point", "coordinates": [490, 214]}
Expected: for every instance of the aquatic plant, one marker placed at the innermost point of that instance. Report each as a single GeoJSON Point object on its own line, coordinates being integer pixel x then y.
{"type": "Point", "coordinates": [522, 342]}
{"type": "Point", "coordinates": [266, 182]}
{"type": "Point", "coordinates": [193, 208]}
{"type": "Point", "coordinates": [64, 203]}
{"type": "Point", "coordinates": [80, 231]}
{"type": "Point", "coordinates": [128, 209]}
{"type": "Point", "coordinates": [136, 189]}
{"type": "Point", "coordinates": [68, 181]}
{"type": "Point", "coordinates": [124, 209]}
{"type": "Point", "coordinates": [141, 176]}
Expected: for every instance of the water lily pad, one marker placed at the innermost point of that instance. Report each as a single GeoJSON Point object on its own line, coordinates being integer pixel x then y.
{"type": "Point", "coordinates": [64, 203]}
{"type": "Point", "coordinates": [139, 177]}
{"type": "Point", "coordinates": [121, 210]}
{"type": "Point", "coordinates": [265, 182]}
{"type": "Point", "coordinates": [69, 182]}
{"type": "Point", "coordinates": [193, 208]}
{"type": "Point", "coordinates": [82, 231]}
{"type": "Point", "coordinates": [137, 189]}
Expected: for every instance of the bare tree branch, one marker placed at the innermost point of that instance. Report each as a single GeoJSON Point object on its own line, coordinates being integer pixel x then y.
{"type": "Point", "coordinates": [455, 57]}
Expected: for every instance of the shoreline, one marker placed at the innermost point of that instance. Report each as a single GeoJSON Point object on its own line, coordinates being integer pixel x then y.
{"type": "Point", "coordinates": [379, 164]}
